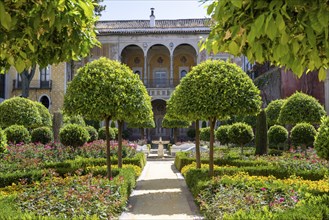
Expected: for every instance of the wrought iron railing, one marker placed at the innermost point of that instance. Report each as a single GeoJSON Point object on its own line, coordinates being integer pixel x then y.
{"type": "Point", "coordinates": [161, 83]}
{"type": "Point", "coordinates": [34, 84]}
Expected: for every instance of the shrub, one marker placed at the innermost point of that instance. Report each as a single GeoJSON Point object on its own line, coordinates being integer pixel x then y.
{"type": "Point", "coordinates": [301, 108]}
{"type": "Point", "coordinates": [321, 142]}
{"type": "Point", "coordinates": [222, 134]}
{"type": "Point", "coordinates": [73, 135]}
{"type": "Point", "coordinates": [277, 135]}
{"type": "Point", "coordinates": [273, 111]}
{"type": "Point", "coordinates": [93, 134]}
{"type": "Point", "coordinates": [102, 135]}
{"type": "Point", "coordinates": [75, 119]}
{"type": "Point", "coordinates": [43, 135]}
{"type": "Point", "coordinates": [3, 141]}
{"type": "Point", "coordinates": [17, 134]}
{"type": "Point", "coordinates": [191, 133]}
{"type": "Point", "coordinates": [303, 134]}
{"type": "Point", "coordinates": [241, 134]}
{"type": "Point", "coordinates": [205, 134]}
{"type": "Point", "coordinates": [261, 142]}
{"type": "Point", "coordinates": [19, 111]}
{"type": "Point", "coordinates": [46, 119]}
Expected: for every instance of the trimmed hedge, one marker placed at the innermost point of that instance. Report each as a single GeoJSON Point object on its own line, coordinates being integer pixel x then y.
{"type": "Point", "coordinates": [17, 134]}
{"type": "Point", "coordinates": [43, 135]}
{"type": "Point", "coordinates": [73, 135]}
{"type": "Point", "coordinates": [69, 166]}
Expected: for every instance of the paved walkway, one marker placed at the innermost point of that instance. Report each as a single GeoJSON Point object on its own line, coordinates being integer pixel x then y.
{"type": "Point", "coordinates": [161, 193]}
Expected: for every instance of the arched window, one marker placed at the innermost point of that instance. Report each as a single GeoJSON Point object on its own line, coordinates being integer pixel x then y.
{"type": "Point", "coordinates": [183, 73]}
{"type": "Point", "coordinates": [45, 101]}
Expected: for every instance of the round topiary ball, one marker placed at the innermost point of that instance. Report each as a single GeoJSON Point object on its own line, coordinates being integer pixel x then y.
{"type": "Point", "coordinates": [191, 133]}
{"type": "Point", "coordinates": [102, 135]}
{"type": "Point", "coordinates": [205, 134]}
{"type": "Point", "coordinates": [3, 141]}
{"type": "Point", "coordinates": [299, 108]}
{"type": "Point", "coordinates": [321, 142]}
{"type": "Point", "coordinates": [73, 135]}
{"type": "Point", "coordinates": [302, 134]}
{"type": "Point", "coordinates": [43, 135]}
{"type": "Point", "coordinates": [19, 111]}
{"type": "Point", "coordinates": [240, 133]}
{"type": "Point", "coordinates": [273, 111]}
{"type": "Point", "coordinates": [222, 134]}
{"type": "Point", "coordinates": [277, 134]}
{"type": "Point", "coordinates": [93, 134]}
{"type": "Point", "coordinates": [46, 119]}
{"type": "Point", "coordinates": [17, 134]}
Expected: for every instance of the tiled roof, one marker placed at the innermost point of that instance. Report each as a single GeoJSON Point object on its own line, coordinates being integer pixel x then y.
{"type": "Point", "coordinates": [161, 26]}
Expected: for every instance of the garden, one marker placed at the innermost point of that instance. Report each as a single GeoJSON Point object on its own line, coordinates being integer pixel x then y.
{"type": "Point", "coordinates": [60, 167]}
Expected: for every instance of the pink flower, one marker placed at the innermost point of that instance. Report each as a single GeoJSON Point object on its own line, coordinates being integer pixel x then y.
{"type": "Point", "coordinates": [263, 189]}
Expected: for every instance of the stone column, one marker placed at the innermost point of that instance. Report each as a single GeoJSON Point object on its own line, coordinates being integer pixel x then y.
{"type": "Point", "coordinates": [145, 71]}
{"type": "Point", "coordinates": [171, 70]}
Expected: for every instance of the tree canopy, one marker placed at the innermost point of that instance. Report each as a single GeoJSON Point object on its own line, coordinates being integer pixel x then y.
{"type": "Point", "coordinates": [301, 107]}
{"type": "Point", "coordinates": [45, 32]}
{"type": "Point", "coordinates": [293, 34]}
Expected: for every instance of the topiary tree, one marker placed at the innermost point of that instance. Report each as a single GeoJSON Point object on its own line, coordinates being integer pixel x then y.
{"type": "Point", "coordinates": [175, 123]}
{"type": "Point", "coordinates": [301, 107]}
{"type": "Point", "coordinates": [46, 119]}
{"type": "Point", "coordinates": [277, 135]}
{"type": "Point", "coordinates": [108, 90]}
{"type": "Point", "coordinates": [74, 119]}
{"type": "Point", "coordinates": [102, 133]}
{"type": "Point", "coordinates": [17, 134]}
{"type": "Point", "coordinates": [240, 133]}
{"type": "Point", "coordinates": [19, 111]}
{"type": "Point", "coordinates": [205, 134]}
{"type": "Point", "coordinates": [43, 135]}
{"type": "Point", "coordinates": [191, 133]}
{"type": "Point", "coordinates": [273, 111]}
{"type": "Point", "coordinates": [321, 142]}
{"type": "Point", "coordinates": [222, 134]}
{"type": "Point", "coordinates": [215, 90]}
{"type": "Point", "coordinates": [302, 134]}
{"type": "Point", "coordinates": [3, 141]}
{"type": "Point", "coordinates": [73, 135]}
{"type": "Point", "coordinates": [261, 141]}
{"type": "Point", "coordinates": [93, 134]}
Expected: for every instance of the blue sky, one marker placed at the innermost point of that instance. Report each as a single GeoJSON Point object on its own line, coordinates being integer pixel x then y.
{"type": "Point", "coordinates": [164, 9]}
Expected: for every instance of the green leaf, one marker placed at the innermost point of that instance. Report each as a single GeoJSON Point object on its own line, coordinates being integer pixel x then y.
{"type": "Point", "coordinates": [322, 74]}
{"type": "Point", "coordinates": [87, 9]}
{"type": "Point", "coordinates": [5, 18]}
{"type": "Point", "coordinates": [19, 65]}
{"type": "Point", "coordinates": [259, 22]}
{"type": "Point", "coordinates": [237, 3]}
{"type": "Point", "coordinates": [234, 48]}
{"type": "Point", "coordinates": [280, 23]}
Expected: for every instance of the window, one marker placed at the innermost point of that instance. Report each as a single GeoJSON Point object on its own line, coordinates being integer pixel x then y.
{"type": "Point", "coordinates": [183, 73]}
{"type": "Point", "coordinates": [161, 79]}
{"type": "Point", "coordinates": [45, 101]}
{"type": "Point", "coordinates": [45, 77]}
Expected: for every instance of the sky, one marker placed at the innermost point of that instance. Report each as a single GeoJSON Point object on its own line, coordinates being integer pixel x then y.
{"type": "Point", "coordinates": [164, 9]}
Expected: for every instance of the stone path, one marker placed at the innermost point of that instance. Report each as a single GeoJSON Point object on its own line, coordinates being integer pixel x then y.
{"type": "Point", "coordinates": [161, 193]}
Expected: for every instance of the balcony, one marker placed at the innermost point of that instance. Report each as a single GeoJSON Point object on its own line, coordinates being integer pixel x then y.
{"type": "Point", "coordinates": [34, 84]}
{"type": "Point", "coordinates": [161, 83]}
{"type": "Point", "coordinates": [160, 88]}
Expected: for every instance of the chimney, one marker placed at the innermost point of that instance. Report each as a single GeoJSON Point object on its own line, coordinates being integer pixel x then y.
{"type": "Point", "coordinates": [152, 18]}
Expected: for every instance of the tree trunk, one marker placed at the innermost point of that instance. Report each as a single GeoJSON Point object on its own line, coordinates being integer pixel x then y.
{"type": "Point", "coordinates": [26, 77]}
{"type": "Point", "coordinates": [175, 135]}
{"type": "Point", "coordinates": [212, 122]}
{"type": "Point", "coordinates": [142, 134]}
{"type": "Point", "coordinates": [197, 145]}
{"type": "Point", "coordinates": [120, 126]}
{"type": "Point", "coordinates": [108, 147]}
